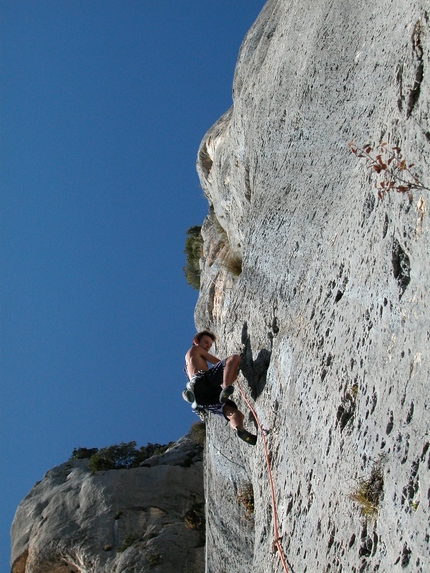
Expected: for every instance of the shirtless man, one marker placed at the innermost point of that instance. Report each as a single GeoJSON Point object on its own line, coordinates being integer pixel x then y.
{"type": "Point", "coordinates": [213, 386]}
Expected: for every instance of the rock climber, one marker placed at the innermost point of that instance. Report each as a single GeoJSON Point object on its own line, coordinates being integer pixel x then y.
{"type": "Point", "coordinates": [210, 388]}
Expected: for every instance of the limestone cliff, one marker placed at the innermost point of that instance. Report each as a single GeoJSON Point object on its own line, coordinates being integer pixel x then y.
{"type": "Point", "coordinates": [325, 289]}
{"type": "Point", "coordinates": [143, 519]}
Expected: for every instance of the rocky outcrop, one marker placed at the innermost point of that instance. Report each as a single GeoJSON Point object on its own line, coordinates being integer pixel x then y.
{"type": "Point", "coordinates": [324, 287]}
{"type": "Point", "coordinates": [143, 519]}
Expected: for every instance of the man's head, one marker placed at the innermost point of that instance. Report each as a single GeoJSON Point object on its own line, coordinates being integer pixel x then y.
{"type": "Point", "coordinates": [204, 335]}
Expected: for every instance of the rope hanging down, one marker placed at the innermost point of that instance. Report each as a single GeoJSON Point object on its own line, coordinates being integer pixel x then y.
{"type": "Point", "coordinates": [277, 538]}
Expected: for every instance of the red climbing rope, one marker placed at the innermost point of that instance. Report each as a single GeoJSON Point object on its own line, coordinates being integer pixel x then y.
{"type": "Point", "coordinates": [277, 538]}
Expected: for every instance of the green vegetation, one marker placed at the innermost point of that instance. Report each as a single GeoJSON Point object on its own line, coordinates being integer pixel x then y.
{"type": "Point", "coordinates": [198, 433]}
{"type": "Point", "coordinates": [128, 541]}
{"type": "Point", "coordinates": [195, 517]}
{"type": "Point", "coordinates": [120, 456]}
{"type": "Point", "coordinates": [354, 390]}
{"type": "Point", "coordinates": [368, 492]}
{"type": "Point", "coordinates": [245, 496]}
{"type": "Point", "coordinates": [153, 559]}
{"type": "Point", "coordinates": [82, 453]}
{"type": "Point", "coordinates": [193, 251]}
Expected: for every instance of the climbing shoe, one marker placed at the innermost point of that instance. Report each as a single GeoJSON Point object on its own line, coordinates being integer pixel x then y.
{"type": "Point", "coordinates": [225, 394]}
{"type": "Point", "coordinates": [189, 397]}
{"type": "Point", "coordinates": [247, 437]}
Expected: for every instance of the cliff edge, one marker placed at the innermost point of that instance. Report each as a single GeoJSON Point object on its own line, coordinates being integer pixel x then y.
{"type": "Point", "coordinates": [323, 286]}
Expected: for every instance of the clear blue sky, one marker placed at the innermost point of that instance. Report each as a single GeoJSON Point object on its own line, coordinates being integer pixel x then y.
{"type": "Point", "coordinates": [103, 106]}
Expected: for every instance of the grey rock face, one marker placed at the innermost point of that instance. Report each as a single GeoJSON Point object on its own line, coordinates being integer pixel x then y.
{"type": "Point", "coordinates": [117, 520]}
{"type": "Point", "coordinates": [324, 287]}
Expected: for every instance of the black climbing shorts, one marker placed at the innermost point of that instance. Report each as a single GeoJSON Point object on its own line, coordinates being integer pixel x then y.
{"type": "Point", "coordinates": [207, 384]}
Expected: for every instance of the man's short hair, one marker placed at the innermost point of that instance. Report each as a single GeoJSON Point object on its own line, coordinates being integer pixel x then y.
{"type": "Point", "coordinates": [202, 333]}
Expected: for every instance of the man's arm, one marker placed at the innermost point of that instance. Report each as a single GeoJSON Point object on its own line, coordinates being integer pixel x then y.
{"type": "Point", "coordinates": [206, 356]}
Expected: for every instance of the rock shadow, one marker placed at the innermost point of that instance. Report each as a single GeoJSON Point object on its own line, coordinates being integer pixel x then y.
{"type": "Point", "coordinates": [255, 371]}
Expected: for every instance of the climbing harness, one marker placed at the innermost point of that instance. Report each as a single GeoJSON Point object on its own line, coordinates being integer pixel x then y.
{"type": "Point", "coordinates": [277, 538]}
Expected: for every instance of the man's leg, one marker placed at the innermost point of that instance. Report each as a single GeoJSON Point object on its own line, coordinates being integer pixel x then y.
{"type": "Point", "coordinates": [235, 417]}
{"type": "Point", "coordinates": [231, 368]}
